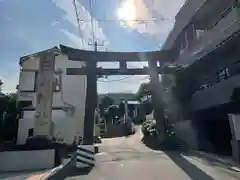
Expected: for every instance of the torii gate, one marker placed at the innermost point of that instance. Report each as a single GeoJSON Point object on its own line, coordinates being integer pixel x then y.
{"type": "Point", "coordinates": [92, 57]}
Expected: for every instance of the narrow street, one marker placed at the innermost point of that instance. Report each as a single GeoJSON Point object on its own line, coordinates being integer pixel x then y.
{"type": "Point", "coordinates": [128, 158]}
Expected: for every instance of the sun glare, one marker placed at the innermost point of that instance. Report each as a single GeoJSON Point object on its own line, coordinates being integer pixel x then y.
{"type": "Point", "coordinates": [127, 12]}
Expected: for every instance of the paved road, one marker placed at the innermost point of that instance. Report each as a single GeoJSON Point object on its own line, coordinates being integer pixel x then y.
{"type": "Point", "coordinates": [129, 159]}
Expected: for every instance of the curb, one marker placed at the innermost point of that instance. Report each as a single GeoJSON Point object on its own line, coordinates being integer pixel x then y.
{"type": "Point", "coordinates": [55, 171]}
{"type": "Point", "coordinates": [226, 163]}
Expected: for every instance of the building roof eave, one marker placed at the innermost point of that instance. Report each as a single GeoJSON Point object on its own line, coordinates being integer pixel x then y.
{"type": "Point", "coordinates": [24, 58]}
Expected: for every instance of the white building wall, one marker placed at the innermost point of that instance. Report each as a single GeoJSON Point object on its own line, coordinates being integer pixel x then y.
{"type": "Point", "coordinates": [15, 161]}
{"type": "Point", "coordinates": [73, 93]}
{"type": "Point", "coordinates": [31, 63]}
{"type": "Point", "coordinates": [27, 81]}
{"type": "Point", "coordinates": [63, 126]}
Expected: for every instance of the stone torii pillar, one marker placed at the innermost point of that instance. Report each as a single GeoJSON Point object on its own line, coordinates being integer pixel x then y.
{"type": "Point", "coordinates": [157, 99]}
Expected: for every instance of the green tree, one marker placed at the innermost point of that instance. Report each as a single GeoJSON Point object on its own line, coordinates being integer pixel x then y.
{"type": "Point", "coordinates": [144, 90]}
{"type": "Point", "coordinates": [106, 102]}
{"type": "Point", "coordinates": [9, 120]}
{"type": "Point", "coordinates": [1, 83]}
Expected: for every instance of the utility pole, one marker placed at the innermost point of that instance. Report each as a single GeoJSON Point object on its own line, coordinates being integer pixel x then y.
{"type": "Point", "coordinates": [91, 99]}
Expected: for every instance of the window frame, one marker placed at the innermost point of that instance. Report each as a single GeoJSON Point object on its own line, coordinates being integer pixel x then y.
{"type": "Point", "coordinates": [36, 73]}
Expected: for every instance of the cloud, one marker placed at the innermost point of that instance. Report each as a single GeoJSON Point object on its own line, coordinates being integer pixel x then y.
{"type": "Point", "coordinates": [10, 79]}
{"type": "Point", "coordinates": [76, 41]}
{"type": "Point", "coordinates": [54, 23]}
{"type": "Point", "coordinates": [8, 18]}
{"type": "Point", "coordinates": [159, 14]}
{"type": "Point", "coordinates": [85, 27]}
{"type": "Point", "coordinates": [9, 84]}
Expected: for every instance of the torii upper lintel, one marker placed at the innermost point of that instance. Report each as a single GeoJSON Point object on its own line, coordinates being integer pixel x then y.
{"type": "Point", "coordinates": [86, 55]}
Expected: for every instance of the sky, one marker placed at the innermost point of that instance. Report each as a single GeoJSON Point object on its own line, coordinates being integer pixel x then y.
{"type": "Point", "coordinates": [29, 26]}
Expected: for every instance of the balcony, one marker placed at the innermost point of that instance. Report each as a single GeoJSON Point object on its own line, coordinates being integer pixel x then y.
{"type": "Point", "coordinates": [223, 30]}
{"type": "Point", "coordinates": [216, 94]}
{"type": "Point", "coordinates": [183, 17]}
{"type": "Point", "coordinates": [188, 10]}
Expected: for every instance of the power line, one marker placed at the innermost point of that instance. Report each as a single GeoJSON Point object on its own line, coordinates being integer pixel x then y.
{"type": "Point", "coordinates": [121, 79]}
{"type": "Point", "coordinates": [116, 80]}
{"type": "Point", "coordinates": [134, 20]}
{"type": "Point", "coordinates": [91, 20]}
{"type": "Point", "coordinates": [78, 20]}
{"type": "Point", "coordinates": [139, 21]}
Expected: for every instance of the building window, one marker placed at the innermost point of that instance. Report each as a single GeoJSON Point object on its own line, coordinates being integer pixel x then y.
{"type": "Point", "coordinates": [23, 104]}
{"type": "Point", "coordinates": [199, 33]}
{"type": "Point", "coordinates": [223, 74]}
{"type": "Point", "coordinates": [30, 132]}
{"type": "Point", "coordinates": [35, 81]}
{"type": "Point", "coordinates": [57, 84]}
{"type": "Point", "coordinates": [27, 81]}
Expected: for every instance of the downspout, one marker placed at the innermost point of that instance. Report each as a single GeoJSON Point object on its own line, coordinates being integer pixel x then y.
{"type": "Point", "coordinates": [70, 106]}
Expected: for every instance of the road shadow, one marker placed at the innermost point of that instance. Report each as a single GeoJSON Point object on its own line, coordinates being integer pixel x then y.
{"type": "Point", "coordinates": [173, 148]}
{"type": "Point", "coordinates": [190, 169]}
{"type": "Point", "coordinates": [151, 142]}
{"type": "Point", "coordinates": [70, 171]}
{"type": "Point", "coordinates": [170, 143]}
{"type": "Point", "coordinates": [214, 160]}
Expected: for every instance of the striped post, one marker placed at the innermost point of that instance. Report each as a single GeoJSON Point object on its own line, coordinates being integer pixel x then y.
{"type": "Point", "coordinates": [85, 156]}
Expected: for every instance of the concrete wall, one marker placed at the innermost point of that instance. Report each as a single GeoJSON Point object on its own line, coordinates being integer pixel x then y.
{"type": "Point", "coordinates": [73, 93]}
{"type": "Point", "coordinates": [26, 160]}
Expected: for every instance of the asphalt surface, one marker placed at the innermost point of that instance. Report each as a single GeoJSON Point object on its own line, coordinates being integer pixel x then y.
{"type": "Point", "coordinates": [127, 158]}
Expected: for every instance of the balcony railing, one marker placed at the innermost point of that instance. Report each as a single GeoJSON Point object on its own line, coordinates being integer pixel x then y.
{"type": "Point", "coordinates": [219, 90]}
{"type": "Point", "coordinates": [215, 95]}
{"type": "Point", "coordinates": [230, 71]}
{"type": "Point", "coordinates": [223, 30]}
{"type": "Point", "coordinates": [224, 13]}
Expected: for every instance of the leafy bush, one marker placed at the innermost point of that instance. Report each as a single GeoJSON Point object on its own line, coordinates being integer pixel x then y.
{"type": "Point", "coordinates": [149, 127]}
{"type": "Point", "coordinates": [8, 117]}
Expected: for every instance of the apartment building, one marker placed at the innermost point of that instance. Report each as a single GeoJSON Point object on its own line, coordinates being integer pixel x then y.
{"type": "Point", "coordinates": [205, 40]}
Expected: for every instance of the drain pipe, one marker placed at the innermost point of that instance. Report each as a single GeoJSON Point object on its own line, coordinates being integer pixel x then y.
{"type": "Point", "coordinates": [70, 106]}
